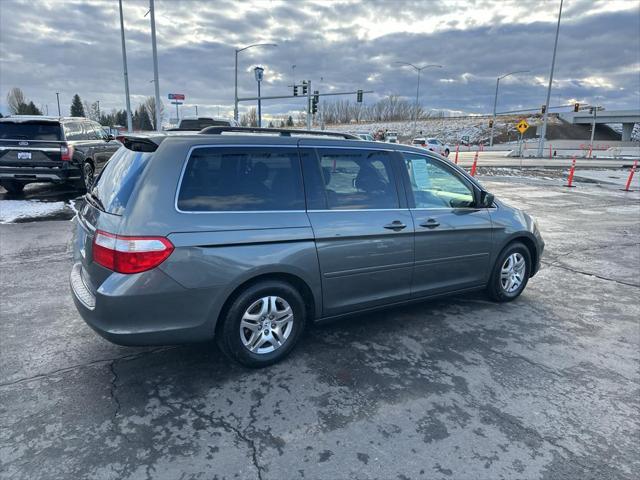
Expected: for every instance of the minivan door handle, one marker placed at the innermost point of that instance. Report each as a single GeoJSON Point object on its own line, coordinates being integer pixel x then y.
{"type": "Point", "coordinates": [431, 223]}
{"type": "Point", "coordinates": [396, 226]}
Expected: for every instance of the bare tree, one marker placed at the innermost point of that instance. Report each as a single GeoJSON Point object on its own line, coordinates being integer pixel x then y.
{"type": "Point", "coordinates": [16, 100]}
{"type": "Point", "coordinates": [249, 119]}
{"type": "Point", "coordinates": [150, 106]}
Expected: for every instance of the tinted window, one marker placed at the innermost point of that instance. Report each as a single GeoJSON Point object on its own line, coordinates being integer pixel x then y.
{"type": "Point", "coordinates": [30, 131]}
{"type": "Point", "coordinates": [358, 179]}
{"type": "Point", "coordinates": [118, 179]}
{"type": "Point", "coordinates": [73, 131]}
{"type": "Point", "coordinates": [223, 179]}
{"type": "Point", "coordinates": [435, 186]}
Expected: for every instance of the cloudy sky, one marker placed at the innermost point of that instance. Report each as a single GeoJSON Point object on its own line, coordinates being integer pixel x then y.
{"type": "Point", "coordinates": [73, 46]}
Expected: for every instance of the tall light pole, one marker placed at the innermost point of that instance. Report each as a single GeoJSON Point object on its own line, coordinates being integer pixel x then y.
{"type": "Point", "coordinates": [495, 101]}
{"type": "Point", "coordinates": [58, 99]}
{"type": "Point", "coordinates": [545, 115]}
{"type": "Point", "coordinates": [259, 72]}
{"type": "Point", "coordinates": [419, 70]}
{"type": "Point", "coordinates": [126, 74]}
{"type": "Point", "coordinates": [293, 74]}
{"type": "Point", "coordinates": [156, 83]}
{"type": "Point", "coordinates": [238, 50]}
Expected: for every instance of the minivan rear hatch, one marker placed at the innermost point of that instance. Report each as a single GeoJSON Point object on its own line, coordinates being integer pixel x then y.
{"type": "Point", "coordinates": [105, 205]}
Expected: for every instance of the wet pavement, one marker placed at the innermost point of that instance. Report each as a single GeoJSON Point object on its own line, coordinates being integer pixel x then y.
{"type": "Point", "coordinates": [546, 387]}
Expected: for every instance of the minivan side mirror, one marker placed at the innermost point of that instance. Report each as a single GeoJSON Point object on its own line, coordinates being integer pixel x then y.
{"type": "Point", "coordinates": [486, 199]}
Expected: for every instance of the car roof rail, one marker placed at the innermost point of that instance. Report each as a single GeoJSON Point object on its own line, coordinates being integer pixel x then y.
{"type": "Point", "coordinates": [283, 132]}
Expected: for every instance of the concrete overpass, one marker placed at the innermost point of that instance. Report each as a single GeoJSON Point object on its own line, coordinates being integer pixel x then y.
{"type": "Point", "coordinates": [626, 117]}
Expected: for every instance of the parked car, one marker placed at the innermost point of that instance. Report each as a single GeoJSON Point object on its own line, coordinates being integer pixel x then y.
{"type": "Point", "coordinates": [198, 123]}
{"type": "Point", "coordinates": [365, 136]}
{"type": "Point", "coordinates": [186, 238]}
{"type": "Point", "coordinates": [432, 144]}
{"type": "Point", "coordinates": [391, 137]}
{"type": "Point", "coordinates": [52, 149]}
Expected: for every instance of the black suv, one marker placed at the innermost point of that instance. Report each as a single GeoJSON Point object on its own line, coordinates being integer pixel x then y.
{"type": "Point", "coordinates": [52, 149]}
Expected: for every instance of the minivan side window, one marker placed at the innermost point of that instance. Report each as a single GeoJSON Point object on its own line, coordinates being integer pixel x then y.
{"type": "Point", "coordinates": [435, 186]}
{"type": "Point", "coordinates": [358, 179]}
{"type": "Point", "coordinates": [241, 179]}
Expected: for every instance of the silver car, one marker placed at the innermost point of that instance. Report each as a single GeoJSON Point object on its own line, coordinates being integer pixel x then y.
{"type": "Point", "coordinates": [247, 235]}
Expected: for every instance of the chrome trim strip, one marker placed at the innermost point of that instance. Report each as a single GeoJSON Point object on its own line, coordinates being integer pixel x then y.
{"type": "Point", "coordinates": [29, 147]}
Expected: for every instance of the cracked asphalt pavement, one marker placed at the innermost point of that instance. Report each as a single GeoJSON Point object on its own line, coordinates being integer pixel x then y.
{"type": "Point", "coordinates": [546, 387]}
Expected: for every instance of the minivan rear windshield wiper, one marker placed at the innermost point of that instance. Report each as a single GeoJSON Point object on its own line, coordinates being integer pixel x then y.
{"type": "Point", "coordinates": [95, 201]}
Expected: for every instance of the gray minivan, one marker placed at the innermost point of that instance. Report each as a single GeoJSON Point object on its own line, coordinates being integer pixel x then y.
{"type": "Point", "coordinates": [246, 235]}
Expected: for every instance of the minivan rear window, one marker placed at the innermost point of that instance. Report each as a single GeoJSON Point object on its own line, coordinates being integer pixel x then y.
{"type": "Point", "coordinates": [241, 179]}
{"type": "Point", "coordinates": [119, 178]}
{"type": "Point", "coordinates": [30, 131]}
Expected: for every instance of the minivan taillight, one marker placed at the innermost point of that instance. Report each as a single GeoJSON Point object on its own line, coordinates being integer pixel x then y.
{"type": "Point", "coordinates": [130, 254]}
{"type": "Point", "coordinates": [66, 153]}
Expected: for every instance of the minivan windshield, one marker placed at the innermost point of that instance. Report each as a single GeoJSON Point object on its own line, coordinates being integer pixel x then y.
{"type": "Point", "coordinates": [30, 131]}
{"type": "Point", "coordinates": [118, 179]}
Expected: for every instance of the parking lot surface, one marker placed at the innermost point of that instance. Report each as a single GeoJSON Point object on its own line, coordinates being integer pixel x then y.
{"type": "Point", "coordinates": [462, 388]}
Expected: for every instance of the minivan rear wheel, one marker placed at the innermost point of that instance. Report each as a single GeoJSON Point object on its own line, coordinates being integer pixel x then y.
{"type": "Point", "coordinates": [263, 324]}
{"type": "Point", "coordinates": [510, 273]}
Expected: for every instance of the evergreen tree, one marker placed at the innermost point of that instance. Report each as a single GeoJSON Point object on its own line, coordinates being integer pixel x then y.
{"type": "Point", "coordinates": [77, 110]}
{"type": "Point", "coordinates": [290, 121]}
{"type": "Point", "coordinates": [31, 109]}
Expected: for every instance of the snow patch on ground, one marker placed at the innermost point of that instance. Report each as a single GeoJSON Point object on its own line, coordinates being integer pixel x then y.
{"type": "Point", "coordinates": [12, 210]}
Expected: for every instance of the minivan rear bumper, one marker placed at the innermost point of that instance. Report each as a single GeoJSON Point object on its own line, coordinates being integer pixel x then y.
{"type": "Point", "coordinates": [148, 308]}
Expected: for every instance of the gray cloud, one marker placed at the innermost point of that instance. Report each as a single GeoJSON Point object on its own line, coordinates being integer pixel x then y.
{"type": "Point", "coordinates": [74, 46]}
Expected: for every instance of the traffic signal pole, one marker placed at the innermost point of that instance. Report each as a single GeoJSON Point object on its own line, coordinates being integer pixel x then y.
{"type": "Point", "coordinates": [309, 105]}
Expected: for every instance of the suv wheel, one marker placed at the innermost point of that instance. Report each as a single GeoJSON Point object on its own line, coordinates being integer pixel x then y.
{"type": "Point", "coordinates": [87, 177]}
{"type": "Point", "coordinates": [510, 273]}
{"type": "Point", "coordinates": [13, 187]}
{"type": "Point", "coordinates": [263, 324]}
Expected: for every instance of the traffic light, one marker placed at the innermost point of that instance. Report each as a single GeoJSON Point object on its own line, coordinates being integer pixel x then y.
{"type": "Point", "coordinates": [304, 88]}
{"type": "Point", "coordinates": [295, 90]}
{"type": "Point", "coordinates": [544, 109]}
{"type": "Point", "coordinates": [359, 96]}
{"type": "Point", "coordinates": [314, 102]}
{"type": "Point", "coordinates": [576, 107]}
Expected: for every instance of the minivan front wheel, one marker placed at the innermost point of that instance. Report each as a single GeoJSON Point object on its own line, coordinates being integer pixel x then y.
{"type": "Point", "coordinates": [511, 273]}
{"type": "Point", "coordinates": [263, 324]}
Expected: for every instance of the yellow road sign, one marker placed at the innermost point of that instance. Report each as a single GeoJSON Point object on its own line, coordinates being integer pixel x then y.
{"type": "Point", "coordinates": [522, 126]}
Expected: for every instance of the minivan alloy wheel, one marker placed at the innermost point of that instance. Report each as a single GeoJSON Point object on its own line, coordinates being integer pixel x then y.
{"type": "Point", "coordinates": [513, 272]}
{"type": "Point", "coordinates": [266, 325]}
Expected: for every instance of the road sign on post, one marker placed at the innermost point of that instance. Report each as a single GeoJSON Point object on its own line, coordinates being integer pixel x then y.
{"type": "Point", "coordinates": [522, 126]}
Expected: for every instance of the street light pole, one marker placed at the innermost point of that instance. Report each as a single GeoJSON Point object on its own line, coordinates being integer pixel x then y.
{"type": "Point", "coordinates": [58, 99]}
{"type": "Point", "coordinates": [495, 101]}
{"type": "Point", "coordinates": [545, 115]}
{"type": "Point", "coordinates": [237, 51]}
{"type": "Point", "coordinates": [126, 74]}
{"type": "Point", "coordinates": [259, 72]}
{"type": "Point", "coordinates": [158, 121]}
{"type": "Point", "coordinates": [419, 70]}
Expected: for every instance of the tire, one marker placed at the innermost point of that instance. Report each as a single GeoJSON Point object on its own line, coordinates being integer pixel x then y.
{"type": "Point", "coordinates": [446, 152]}
{"type": "Point", "coordinates": [87, 176]}
{"type": "Point", "coordinates": [501, 287]}
{"type": "Point", "coordinates": [253, 307]}
{"type": "Point", "coordinates": [14, 188]}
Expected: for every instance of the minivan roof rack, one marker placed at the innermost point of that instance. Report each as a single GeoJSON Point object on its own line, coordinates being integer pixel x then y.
{"type": "Point", "coordinates": [283, 132]}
